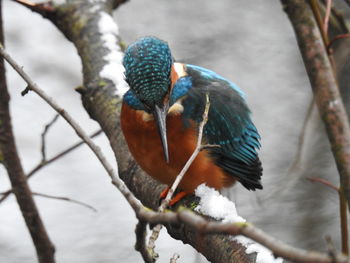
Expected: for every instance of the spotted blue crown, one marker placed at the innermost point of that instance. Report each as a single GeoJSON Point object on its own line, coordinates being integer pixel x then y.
{"type": "Point", "coordinates": [147, 65]}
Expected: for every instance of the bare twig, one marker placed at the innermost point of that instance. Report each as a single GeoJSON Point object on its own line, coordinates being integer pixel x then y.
{"type": "Point", "coordinates": [174, 258]}
{"type": "Point", "coordinates": [178, 179]}
{"type": "Point", "coordinates": [323, 28]}
{"type": "Point", "coordinates": [165, 202]}
{"type": "Point", "coordinates": [141, 233]}
{"type": "Point", "coordinates": [331, 249]}
{"type": "Point", "coordinates": [63, 198]}
{"type": "Point", "coordinates": [327, 16]}
{"type": "Point", "coordinates": [343, 213]}
{"type": "Point", "coordinates": [41, 165]}
{"type": "Point", "coordinates": [316, 11]}
{"type": "Point", "coordinates": [43, 7]}
{"type": "Point", "coordinates": [343, 223]}
{"type": "Point", "coordinates": [342, 36]}
{"type": "Point", "coordinates": [153, 238]}
{"type": "Point", "coordinates": [43, 137]}
{"type": "Point", "coordinates": [324, 182]}
{"type": "Point", "coordinates": [301, 139]}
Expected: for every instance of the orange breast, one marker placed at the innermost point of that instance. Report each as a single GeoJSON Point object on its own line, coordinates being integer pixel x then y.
{"type": "Point", "coordinates": [144, 143]}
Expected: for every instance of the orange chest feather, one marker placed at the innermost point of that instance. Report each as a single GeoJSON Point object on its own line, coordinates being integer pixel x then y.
{"type": "Point", "coordinates": [141, 133]}
{"type": "Point", "coordinates": [142, 136]}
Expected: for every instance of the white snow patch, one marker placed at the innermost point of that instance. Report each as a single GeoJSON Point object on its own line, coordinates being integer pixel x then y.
{"type": "Point", "coordinates": [212, 203]}
{"type": "Point", "coordinates": [215, 205]}
{"type": "Point", "coordinates": [59, 2]}
{"type": "Point", "coordinates": [96, 1]}
{"type": "Point", "coordinates": [114, 69]}
{"type": "Point", "coordinates": [263, 255]}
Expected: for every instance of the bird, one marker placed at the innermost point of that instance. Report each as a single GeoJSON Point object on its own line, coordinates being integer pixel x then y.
{"type": "Point", "coordinates": [161, 113]}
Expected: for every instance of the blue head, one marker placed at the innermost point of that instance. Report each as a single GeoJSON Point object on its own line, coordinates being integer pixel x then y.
{"type": "Point", "coordinates": [147, 65]}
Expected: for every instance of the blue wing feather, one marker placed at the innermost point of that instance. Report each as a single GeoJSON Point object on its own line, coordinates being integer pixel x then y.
{"type": "Point", "coordinates": [229, 124]}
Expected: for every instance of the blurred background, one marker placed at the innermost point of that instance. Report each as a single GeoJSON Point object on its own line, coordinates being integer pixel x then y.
{"type": "Point", "coordinates": [248, 42]}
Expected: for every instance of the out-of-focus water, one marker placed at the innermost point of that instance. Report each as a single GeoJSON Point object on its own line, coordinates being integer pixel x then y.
{"type": "Point", "coordinates": [248, 42]}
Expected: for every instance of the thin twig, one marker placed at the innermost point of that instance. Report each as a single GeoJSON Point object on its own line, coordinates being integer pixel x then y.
{"type": "Point", "coordinates": [324, 182]}
{"type": "Point", "coordinates": [342, 36]}
{"type": "Point", "coordinates": [174, 258]}
{"type": "Point", "coordinates": [25, 2]}
{"type": "Point", "coordinates": [63, 198]}
{"type": "Point", "coordinates": [316, 11]}
{"type": "Point", "coordinates": [301, 138]}
{"type": "Point", "coordinates": [41, 165]}
{"type": "Point", "coordinates": [331, 249]}
{"type": "Point", "coordinates": [141, 233]}
{"type": "Point", "coordinates": [165, 202]}
{"type": "Point", "coordinates": [43, 137]}
{"type": "Point", "coordinates": [153, 238]}
{"type": "Point", "coordinates": [179, 177]}
{"type": "Point", "coordinates": [342, 210]}
{"type": "Point", "coordinates": [46, 6]}
{"type": "Point", "coordinates": [344, 223]}
{"type": "Point", "coordinates": [327, 16]}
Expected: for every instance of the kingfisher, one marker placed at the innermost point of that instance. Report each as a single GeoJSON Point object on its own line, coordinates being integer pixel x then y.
{"type": "Point", "coordinates": [161, 113]}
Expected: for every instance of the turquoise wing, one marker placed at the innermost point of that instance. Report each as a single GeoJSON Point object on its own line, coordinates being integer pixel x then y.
{"type": "Point", "coordinates": [229, 124]}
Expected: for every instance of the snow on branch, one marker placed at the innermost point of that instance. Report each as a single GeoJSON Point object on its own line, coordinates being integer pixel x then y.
{"type": "Point", "coordinates": [213, 204]}
{"type": "Point", "coordinates": [113, 69]}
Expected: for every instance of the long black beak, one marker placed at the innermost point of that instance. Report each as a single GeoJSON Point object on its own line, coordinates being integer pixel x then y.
{"type": "Point", "coordinates": [160, 115]}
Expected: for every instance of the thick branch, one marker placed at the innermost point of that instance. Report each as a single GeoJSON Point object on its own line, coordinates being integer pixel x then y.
{"type": "Point", "coordinates": [324, 86]}
{"type": "Point", "coordinates": [44, 248]}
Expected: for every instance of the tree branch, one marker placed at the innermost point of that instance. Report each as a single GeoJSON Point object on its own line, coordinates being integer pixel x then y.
{"type": "Point", "coordinates": [44, 248]}
{"type": "Point", "coordinates": [324, 86]}
{"type": "Point", "coordinates": [43, 137]}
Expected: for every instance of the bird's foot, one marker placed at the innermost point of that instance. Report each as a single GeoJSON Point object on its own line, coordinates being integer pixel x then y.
{"type": "Point", "coordinates": [164, 193]}
{"type": "Point", "coordinates": [178, 196]}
